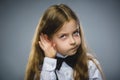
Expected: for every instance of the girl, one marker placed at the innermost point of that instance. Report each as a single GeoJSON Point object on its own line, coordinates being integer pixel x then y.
{"type": "Point", "coordinates": [59, 51]}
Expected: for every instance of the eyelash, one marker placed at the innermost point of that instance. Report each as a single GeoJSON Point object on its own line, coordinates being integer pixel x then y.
{"type": "Point", "coordinates": [76, 33]}
{"type": "Point", "coordinates": [63, 36]}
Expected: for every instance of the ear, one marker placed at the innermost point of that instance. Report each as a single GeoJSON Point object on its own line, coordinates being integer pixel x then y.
{"type": "Point", "coordinates": [47, 38]}
{"type": "Point", "coordinates": [52, 42]}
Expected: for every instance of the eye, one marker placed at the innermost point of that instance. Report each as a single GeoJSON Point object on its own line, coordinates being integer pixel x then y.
{"type": "Point", "coordinates": [76, 33]}
{"type": "Point", "coordinates": [63, 36]}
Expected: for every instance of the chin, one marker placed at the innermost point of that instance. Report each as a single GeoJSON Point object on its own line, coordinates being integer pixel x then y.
{"type": "Point", "coordinates": [72, 53]}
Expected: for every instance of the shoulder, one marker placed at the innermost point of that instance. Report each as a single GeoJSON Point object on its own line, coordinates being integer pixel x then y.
{"type": "Point", "coordinates": [94, 67]}
{"type": "Point", "coordinates": [92, 62]}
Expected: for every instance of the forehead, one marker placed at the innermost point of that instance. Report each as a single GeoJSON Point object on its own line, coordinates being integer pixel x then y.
{"type": "Point", "coordinates": [69, 26]}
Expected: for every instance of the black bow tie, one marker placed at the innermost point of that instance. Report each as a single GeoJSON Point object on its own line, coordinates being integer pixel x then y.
{"type": "Point", "coordinates": [70, 60]}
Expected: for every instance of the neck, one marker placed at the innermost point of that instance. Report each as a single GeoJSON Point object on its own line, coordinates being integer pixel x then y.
{"type": "Point", "coordinates": [60, 55]}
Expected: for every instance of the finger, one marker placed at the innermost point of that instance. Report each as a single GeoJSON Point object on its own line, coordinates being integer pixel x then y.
{"type": "Point", "coordinates": [40, 44]}
{"type": "Point", "coordinates": [43, 42]}
{"type": "Point", "coordinates": [46, 40]}
{"type": "Point", "coordinates": [42, 39]}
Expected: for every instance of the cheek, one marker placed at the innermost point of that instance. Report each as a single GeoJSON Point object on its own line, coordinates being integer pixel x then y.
{"type": "Point", "coordinates": [61, 46]}
{"type": "Point", "coordinates": [78, 41]}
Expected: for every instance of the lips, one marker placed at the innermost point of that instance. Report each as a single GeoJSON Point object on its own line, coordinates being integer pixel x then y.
{"type": "Point", "coordinates": [74, 48]}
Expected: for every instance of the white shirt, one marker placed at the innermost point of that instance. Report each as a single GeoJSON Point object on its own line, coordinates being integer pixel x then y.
{"type": "Point", "coordinates": [65, 72]}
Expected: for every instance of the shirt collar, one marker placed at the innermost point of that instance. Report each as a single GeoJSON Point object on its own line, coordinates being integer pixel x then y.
{"type": "Point", "coordinates": [60, 55]}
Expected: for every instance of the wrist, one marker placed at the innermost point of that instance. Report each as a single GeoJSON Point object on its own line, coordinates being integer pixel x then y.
{"type": "Point", "coordinates": [50, 55]}
{"type": "Point", "coordinates": [49, 64]}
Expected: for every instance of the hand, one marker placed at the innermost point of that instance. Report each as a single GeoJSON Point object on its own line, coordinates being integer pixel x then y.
{"type": "Point", "coordinates": [47, 46]}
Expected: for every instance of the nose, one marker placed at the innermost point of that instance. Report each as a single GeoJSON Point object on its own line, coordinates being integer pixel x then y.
{"type": "Point", "coordinates": [72, 41]}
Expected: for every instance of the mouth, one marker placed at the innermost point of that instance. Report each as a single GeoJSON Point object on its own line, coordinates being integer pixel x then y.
{"type": "Point", "coordinates": [74, 48]}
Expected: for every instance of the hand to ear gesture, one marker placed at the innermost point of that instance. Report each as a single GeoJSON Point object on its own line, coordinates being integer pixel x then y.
{"type": "Point", "coordinates": [47, 46]}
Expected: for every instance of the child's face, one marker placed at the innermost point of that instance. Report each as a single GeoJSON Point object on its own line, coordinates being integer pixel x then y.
{"type": "Point", "coordinates": [67, 39]}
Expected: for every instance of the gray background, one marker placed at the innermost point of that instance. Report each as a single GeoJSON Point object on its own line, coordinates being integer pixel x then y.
{"type": "Point", "coordinates": [19, 18]}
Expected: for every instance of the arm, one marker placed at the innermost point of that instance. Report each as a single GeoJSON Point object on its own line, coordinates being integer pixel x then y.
{"type": "Point", "coordinates": [49, 63]}
{"type": "Point", "coordinates": [48, 69]}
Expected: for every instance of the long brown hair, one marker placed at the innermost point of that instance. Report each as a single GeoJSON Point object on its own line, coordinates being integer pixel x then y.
{"type": "Point", "coordinates": [51, 21]}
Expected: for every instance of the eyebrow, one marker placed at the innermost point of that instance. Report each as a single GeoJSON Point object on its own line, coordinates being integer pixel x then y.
{"type": "Point", "coordinates": [77, 29]}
